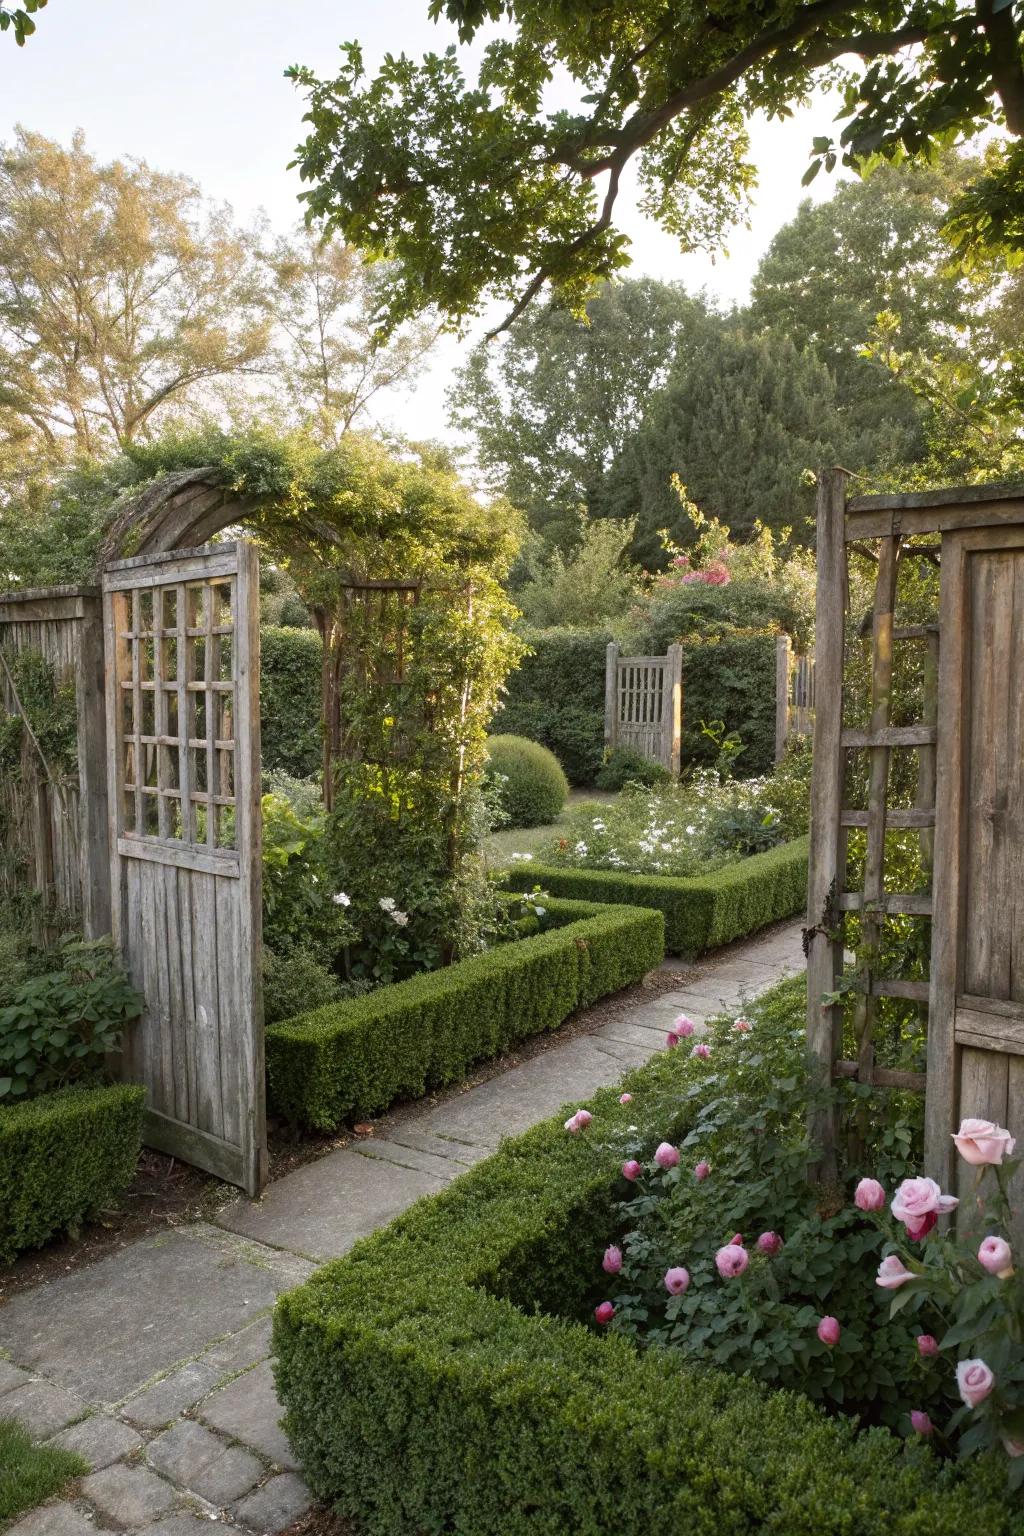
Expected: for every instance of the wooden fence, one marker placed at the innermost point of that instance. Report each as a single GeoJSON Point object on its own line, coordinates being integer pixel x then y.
{"type": "Point", "coordinates": [794, 694]}
{"type": "Point", "coordinates": [643, 705]}
{"type": "Point", "coordinates": [55, 820]}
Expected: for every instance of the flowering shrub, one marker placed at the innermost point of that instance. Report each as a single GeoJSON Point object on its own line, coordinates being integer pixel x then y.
{"type": "Point", "coordinates": [672, 829]}
{"type": "Point", "coordinates": [967, 1288]}
{"type": "Point", "coordinates": [778, 1278]}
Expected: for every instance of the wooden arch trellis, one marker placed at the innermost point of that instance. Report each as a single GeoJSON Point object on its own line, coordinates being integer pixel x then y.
{"type": "Point", "coordinates": [968, 810]}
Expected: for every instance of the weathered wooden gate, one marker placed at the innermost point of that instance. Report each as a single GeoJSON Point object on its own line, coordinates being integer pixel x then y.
{"type": "Point", "coordinates": [182, 706]}
{"type": "Point", "coordinates": [643, 705]}
{"type": "Point", "coordinates": [968, 809]}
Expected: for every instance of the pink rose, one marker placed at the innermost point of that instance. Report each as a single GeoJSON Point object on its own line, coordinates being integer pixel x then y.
{"type": "Point", "coordinates": [625, 1098]}
{"type": "Point", "coordinates": [742, 1026]}
{"type": "Point", "coordinates": [982, 1141]}
{"type": "Point", "coordinates": [676, 1280]}
{"type": "Point", "coordinates": [892, 1272]}
{"type": "Point", "coordinates": [671, 1040]}
{"type": "Point", "coordinates": [927, 1345]}
{"type": "Point", "coordinates": [631, 1170]}
{"type": "Point", "coordinates": [612, 1261]}
{"type": "Point", "coordinates": [975, 1381]}
{"type": "Point", "coordinates": [666, 1156]}
{"type": "Point", "coordinates": [604, 1313]}
{"type": "Point", "coordinates": [920, 1422]}
{"type": "Point", "coordinates": [829, 1331]}
{"type": "Point", "coordinates": [731, 1260]}
{"type": "Point", "coordinates": [918, 1203]}
{"type": "Point", "coordinates": [578, 1122]}
{"type": "Point", "coordinates": [869, 1195]}
{"type": "Point", "coordinates": [996, 1256]}
{"type": "Point", "coordinates": [683, 1026]}
{"type": "Point", "coordinates": [701, 1050]}
{"type": "Point", "coordinates": [701, 1171]}
{"type": "Point", "coordinates": [769, 1243]}
{"type": "Point", "coordinates": [584, 1117]}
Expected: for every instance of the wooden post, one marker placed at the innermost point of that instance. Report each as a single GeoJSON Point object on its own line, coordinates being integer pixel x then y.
{"type": "Point", "coordinates": [783, 663]}
{"type": "Point", "coordinates": [673, 717]}
{"type": "Point", "coordinates": [94, 853]}
{"type": "Point", "coordinates": [824, 938]}
{"type": "Point", "coordinates": [611, 695]}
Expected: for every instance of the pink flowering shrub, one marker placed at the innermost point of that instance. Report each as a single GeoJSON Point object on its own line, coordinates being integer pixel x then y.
{"type": "Point", "coordinates": [779, 1282]}
{"type": "Point", "coordinates": [965, 1286]}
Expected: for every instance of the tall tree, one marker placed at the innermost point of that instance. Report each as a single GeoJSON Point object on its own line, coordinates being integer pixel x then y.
{"type": "Point", "coordinates": [876, 246]}
{"type": "Point", "coordinates": [324, 298]}
{"type": "Point", "coordinates": [121, 294]}
{"type": "Point", "coordinates": [487, 190]}
{"type": "Point", "coordinates": [739, 421]}
{"type": "Point", "coordinates": [553, 403]}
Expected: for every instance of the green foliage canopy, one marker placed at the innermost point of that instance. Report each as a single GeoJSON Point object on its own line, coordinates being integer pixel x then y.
{"type": "Point", "coordinates": [489, 189]}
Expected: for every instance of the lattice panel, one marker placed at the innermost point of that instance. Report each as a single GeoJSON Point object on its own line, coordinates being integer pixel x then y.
{"type": "Point", "coordinates": [176, 693]}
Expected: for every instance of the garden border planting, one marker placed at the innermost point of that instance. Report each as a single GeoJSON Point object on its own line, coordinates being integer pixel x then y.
{"type": "Point", "coordinates": [63, 1155]}
{"type": "Point", "coordinates": [702, 911]}
{"type": "Point", "coordinates": [420, 1396]}
{"type": "Point", "coordinates": [354, 1058]}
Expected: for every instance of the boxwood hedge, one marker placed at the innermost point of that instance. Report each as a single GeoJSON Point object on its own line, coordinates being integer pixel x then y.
{"type": "Point", "coordinates": [428, 1388]}
{"type": "Point", "coordinates": [354, 1058]}
{"type": "Point", "coordinates": [700, 912]}
{"type": "Point", "coordinates": [63, 1156]}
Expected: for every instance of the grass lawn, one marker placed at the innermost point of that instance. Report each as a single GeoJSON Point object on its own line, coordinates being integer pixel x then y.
{"type": "Point", "coordinates": [501, 845]}
{"type": "Point", "coordinates": [30, 1474]}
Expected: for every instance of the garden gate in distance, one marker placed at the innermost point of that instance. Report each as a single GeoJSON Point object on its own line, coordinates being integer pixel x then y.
{"type": "Point", "coordinates": [969, 805]}
{"type": "Point", "coordinates": [181, 637]}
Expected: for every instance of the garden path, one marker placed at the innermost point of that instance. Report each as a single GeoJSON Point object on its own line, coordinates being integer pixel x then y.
{"type": "Point", "coordinates": [154, 1362]}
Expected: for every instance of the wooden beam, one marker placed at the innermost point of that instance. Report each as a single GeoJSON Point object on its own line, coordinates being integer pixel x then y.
{"type": "Point", "coordinates": [891, 736]}
{"type": "Point", "coordinates": [884, 1077]}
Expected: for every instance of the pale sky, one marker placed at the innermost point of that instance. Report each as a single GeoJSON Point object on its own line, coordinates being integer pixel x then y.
{"type": "Point", "coordinates": [197, 87]}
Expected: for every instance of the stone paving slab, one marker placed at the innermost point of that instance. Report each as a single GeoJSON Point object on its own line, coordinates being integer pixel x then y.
{"type": "Point", "coordinates": [280, 1501]}
{"type": "Point", "coordinates": [196, 1459]}
{"type": "Point", "coordinates": [53, 1520]}
{"type": "Point", "coordinates": [248, 1410]}
{"type": "Point", "coordinates": [324, 1207]}
{"type": "Point", "coordinates": [100, 1439]}
{"type": "Point", "coordinates": [385, 1151]}
{"type": "Point", "coordinates": [462, 1152]}
{"type": "Point", "coordinates": [10, 1376]}
{"type": "Point", "coordinates": [42, 1408]}
{"type": "Point", "coordinates": [170, 1295]}
{"type": "Point", "coordinates": [128, 1496]}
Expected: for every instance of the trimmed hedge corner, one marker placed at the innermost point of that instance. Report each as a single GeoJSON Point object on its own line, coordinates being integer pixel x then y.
{"type": "Point", "coordinates": [354, 1058]}
{"type": "Point", "coordinates": [701, 912]}
{"type": "Point", "coordinates": [62, 1157]}
{"type": "Point", "coordinates": [424, 1391]}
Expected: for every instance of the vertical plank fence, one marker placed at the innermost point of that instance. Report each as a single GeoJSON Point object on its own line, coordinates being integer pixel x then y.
{"type": "Point", "coordinates": [643, 709]}
{"type": "Point", "coordinates": [794, 694]}
{"type": "Point", "coordinates": [55, 820]}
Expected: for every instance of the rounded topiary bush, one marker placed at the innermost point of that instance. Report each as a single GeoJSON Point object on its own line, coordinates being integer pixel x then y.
{"type": "Point", "coordinates": [531, 785]}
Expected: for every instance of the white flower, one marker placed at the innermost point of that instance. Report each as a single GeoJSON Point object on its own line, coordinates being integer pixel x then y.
{"type": "Point", "coordinates": [401, 918]}
{"type": "Point", "coordinates": [540, 911]}
{"type": "Point", "coordinates": [581, 849]}
{"type": "Point", "coordinates": [341, 900]}
{"type": "Point", "coordinates": [387, 903]}
{"type": "Point", "coordinates": [515, 857]}
{"type": "Point", "coordinates": [690, 831]}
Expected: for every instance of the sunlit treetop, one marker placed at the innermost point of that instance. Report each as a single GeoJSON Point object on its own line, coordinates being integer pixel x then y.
{"type": "Point", "coordinates": [490, 189]}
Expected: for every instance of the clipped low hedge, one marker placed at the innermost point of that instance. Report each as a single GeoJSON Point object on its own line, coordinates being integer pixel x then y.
{"type": "Point", "coordinates": [424, 1391]}
{"type": "Point", "coordinates": [701, 912]}
{"type": "Point", "coordinates": [63, 1156]}
{"type": "Point", "coordinates": [354, 1058]}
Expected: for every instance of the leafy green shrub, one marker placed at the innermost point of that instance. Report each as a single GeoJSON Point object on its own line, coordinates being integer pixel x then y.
{"type": "Point", "coordinates": [423, 1391]}
{"type": "Point", "coordinates": [59, 1027]}
{"type": "Point", "coordinates": [295, 981]}
{"type": "Point", "coordinates": [63, 1157]}
{"type": "Point", "coordinates": [291, 735]}
{"type": "Point", "coordinates": [701, 911]}
{"type": "Point", "coordinates": [531, 785]}
{"type": "Point", "coordinates": [31, 1474]}
{"type": "Point", "coordinates": [358, 1056]}
{"type": "Point", "coordinates": [748, 1105]}
{"type": "Point", "coordinates": [624, 766]}
{"type": "Point", "coordinates": [300, 909]}
{"type": "Point", "coordinates": [556, 697]}
{"type": "Point", "coordinates": [729, 675]}
{"type": "Point", "coordinates": [788, 787]}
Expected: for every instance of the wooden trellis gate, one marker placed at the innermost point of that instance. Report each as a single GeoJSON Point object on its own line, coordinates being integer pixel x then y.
{"type": "Point", "coordinates": [968, 810]}
{"type": "Point", "coordinates": [643, 705]}
{"type": "Point", "coordinates": [183, 753]}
